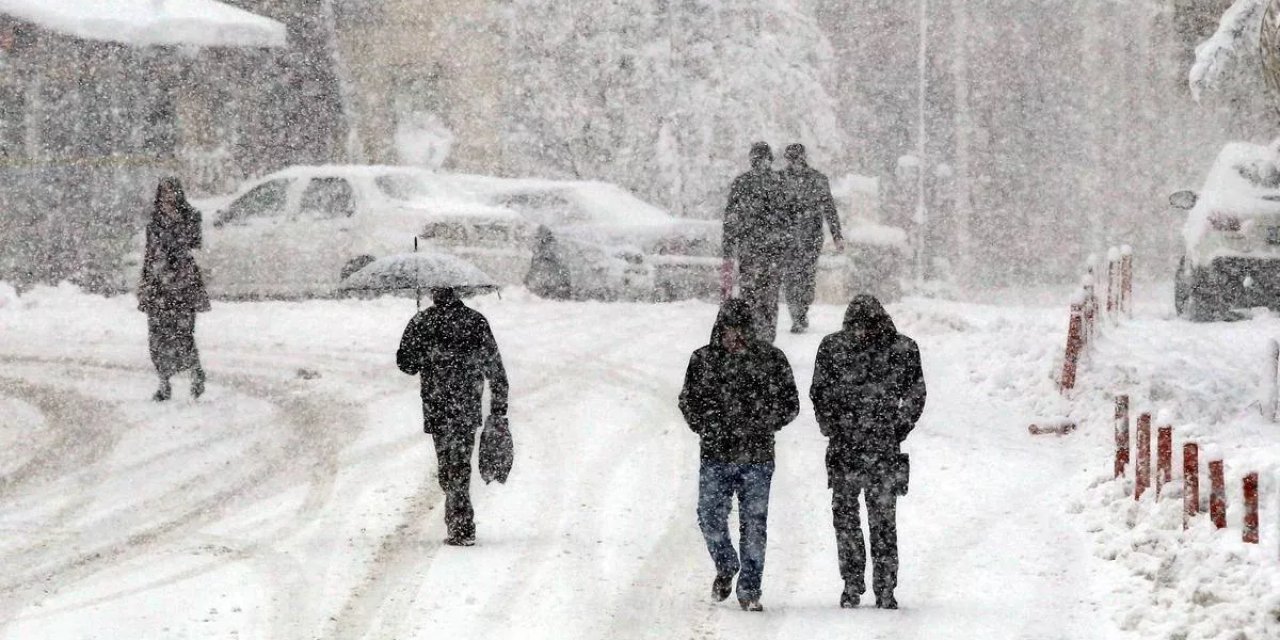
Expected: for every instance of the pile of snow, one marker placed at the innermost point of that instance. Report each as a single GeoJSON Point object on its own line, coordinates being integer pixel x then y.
{"type": "Point", "coordinates": [1236, 38]}
{"type": "Point", "coordinates": [20, 427]}
{"type": "Point", "coordinates": [1203, 379]}
{"type": "Point", "coordinates": [8, 297]}
{"type": "Point", "coordinates": [203, 23]}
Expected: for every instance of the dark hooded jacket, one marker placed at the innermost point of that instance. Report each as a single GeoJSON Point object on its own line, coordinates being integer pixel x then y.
{"type": "Point", "coordinates": [809, 196]}
{"type": "Point", "coordinates": [736, 401]}
{"type": "Point", "coordinates": [451, 346]}
{"type": "Point", "coordinates": [171, 279]}
{"type": "Point", "coordinates": [757, 219]}
{"type": "Point", "coordinates": [867, 393]}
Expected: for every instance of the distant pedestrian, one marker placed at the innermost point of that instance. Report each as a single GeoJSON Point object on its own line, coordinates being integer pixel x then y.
{"type": "Point", "coordinates": [808, 193]}
{"type": "Point", "coordinates": [738, 391]}
{"type": "Point", "coordinates": [453, 350]}
{"type": "Point", "coordinates": [757, 233]}
{"type": "Point", "coordinates": [868, 392]}
{"type": "Point", "coordinates": [172, 291]}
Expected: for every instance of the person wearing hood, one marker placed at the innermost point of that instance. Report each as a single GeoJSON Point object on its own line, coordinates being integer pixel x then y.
{"type": "Point", "coordinates": [171, 291]}
{"type": "Point", "coordinates": [809, 195]}
{"type": "Point", "coordinates": [758, 234]}
{"type": "Point", "coordinates": [868, 392]}
{"type": "Point", "coordinates": [738, 391]}
{"type": "Point", "coordinates": [453, 350]}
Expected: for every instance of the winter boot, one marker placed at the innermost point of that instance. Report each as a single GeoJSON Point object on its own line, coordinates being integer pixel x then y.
{"type": "Point", "coordinates": [197, 382]}
{"type": "Point", "coordinates": [850, 599]}
{"type": "Point", "coordinates": [164, 392]}
{"type": "Point", "coordinates": [722, 587]}
{"type": "Point", "coordinates": [886, 601]}
{"type": "Point", "coordinates": [751, 605]}
{"type": "Point", "coordinates": [461, 540]}
{"type": "Point", "coordinates": [799, 325]}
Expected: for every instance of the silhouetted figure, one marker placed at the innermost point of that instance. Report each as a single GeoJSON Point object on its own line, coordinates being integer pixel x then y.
{"type": "Point", "coordinates": [172, 291]}
{"type": "Point", "coordinates": [808, 194]}
{"type": "Point", "coordinates": [758, 232]}
{"type": "Point", "coordinates": [453, 350]}
{"type": "Point", "coordinates": [738, 391]}
{"type": "Point", "coordinates": [868, 392]}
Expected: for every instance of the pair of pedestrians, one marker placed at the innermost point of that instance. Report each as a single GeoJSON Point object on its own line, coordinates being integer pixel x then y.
{"type": "Point", "coordinates": [773, 229]}
{"type": "Point", "coordinates": [868, 392]}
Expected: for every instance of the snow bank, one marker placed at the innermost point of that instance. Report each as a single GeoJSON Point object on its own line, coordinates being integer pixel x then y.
{"type": "Point", "coordinates": [1203, 379]}
{"type": "Point", "coordinates": [8, 297]}
{"type": "Point", "coordinates": [204, 23]}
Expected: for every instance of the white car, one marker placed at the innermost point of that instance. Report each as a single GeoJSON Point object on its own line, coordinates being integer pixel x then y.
{"type": "Point", "coordinates": [1232, 235]}
{"type": "Point", "coordinates": [600, 241]}
{"type": "Point", "coordinates": [298, 232]}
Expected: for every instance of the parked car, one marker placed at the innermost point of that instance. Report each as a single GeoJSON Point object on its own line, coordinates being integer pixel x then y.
{"type": "Point", "coordinates": [601, 241]}
{"type": "Point", "coordinates": [1231, 237]}
{"type": "Point", "coordinates": [298, 232]}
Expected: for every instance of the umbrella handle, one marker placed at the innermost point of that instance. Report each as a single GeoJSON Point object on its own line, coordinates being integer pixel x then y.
{"type": "Point", "coordinates": [418, 268]}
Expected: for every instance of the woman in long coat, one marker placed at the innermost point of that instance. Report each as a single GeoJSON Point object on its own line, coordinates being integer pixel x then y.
{"type": "Point", "coordinates": [172, 291]}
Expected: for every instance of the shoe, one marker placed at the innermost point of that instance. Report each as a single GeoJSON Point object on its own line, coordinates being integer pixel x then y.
{"type": "Point", "coordinates": [164, 392]}
{"type": "Point", "coordinates": [197, 383]}
{"type": "Point", "coordinates": [850, 600]}
{"type": "Point", "coordinates": [460, 541]}
{"type": "Point", "coordinates": [799, 326]}
{"type": "Point", "coordinates": [722, 587]}
{"type": "Point", "coordinates": [751, 605]}
{"type": "Point", "coordinates": [886, 601]}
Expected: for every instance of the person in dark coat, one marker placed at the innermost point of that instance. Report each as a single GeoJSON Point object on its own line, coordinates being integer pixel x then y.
{"type": "Point", "coordinates": [172, 291]}
{"type": "Point", "coordinates": [868, 392]}
{"type": "Point", "coordinates": [452, 348]}
{"type": "Point", "coordinates": [738, 391]}
{"type": "Point", "coordinates": [757, 233]}
{"type": "Point", "coordinates": [808, 193]}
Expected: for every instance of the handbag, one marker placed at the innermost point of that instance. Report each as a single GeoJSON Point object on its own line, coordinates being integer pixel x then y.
{"type": "Point", "coordinates": [497, 450]}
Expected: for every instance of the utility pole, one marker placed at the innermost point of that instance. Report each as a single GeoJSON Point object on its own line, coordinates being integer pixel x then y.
{"type": "Point", "coordinates": [963, 205]}
{"type": "Point", "coordinates": [922, 213]}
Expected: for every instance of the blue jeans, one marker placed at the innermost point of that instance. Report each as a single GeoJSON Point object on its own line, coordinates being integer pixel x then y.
{"type": "Point", "coordinates": [718, 482]}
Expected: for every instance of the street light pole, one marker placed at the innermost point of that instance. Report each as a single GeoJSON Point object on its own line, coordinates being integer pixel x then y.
{"type": "Point", "coordinates": [922, 213]}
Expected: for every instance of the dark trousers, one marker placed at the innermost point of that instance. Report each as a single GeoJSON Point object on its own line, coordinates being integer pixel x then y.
{"type": "Point", "coordinates": [453, 458]}
{"type": "Point", "coordinates": [718, 483]}
{"type": "Point", "coordinates": [882, 520]}
{"type": "Point", "coordinates": [800, 280]}
{"type": "Point", "coordinates": [171, 336]}
{"type": "Point", "coordinates": [760, 279]}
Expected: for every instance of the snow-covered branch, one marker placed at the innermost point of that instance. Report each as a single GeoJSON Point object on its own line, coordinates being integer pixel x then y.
{"type": "Point", "coordinates": [1236, 37]}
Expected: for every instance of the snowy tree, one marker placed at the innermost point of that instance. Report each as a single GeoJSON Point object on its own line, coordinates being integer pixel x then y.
{"type": "Point", "coordinates": [1232, 52]}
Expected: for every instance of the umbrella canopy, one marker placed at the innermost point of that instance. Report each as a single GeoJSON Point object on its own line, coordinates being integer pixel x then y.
{"type": "Point", "coordinates": [419, 271]}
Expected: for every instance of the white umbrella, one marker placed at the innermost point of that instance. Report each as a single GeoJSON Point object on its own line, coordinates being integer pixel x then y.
{"type": "Point", "coordinates": [418, 271]}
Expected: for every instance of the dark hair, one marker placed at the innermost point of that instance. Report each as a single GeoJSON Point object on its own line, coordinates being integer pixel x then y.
{"type": "Point", "coordinates": [761, 151]}
{"type": "Point", "coordinates": [795, 151]}
{"type": "Point", "coordinates": [180, 204]}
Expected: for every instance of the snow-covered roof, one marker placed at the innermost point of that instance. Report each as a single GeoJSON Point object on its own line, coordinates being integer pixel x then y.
{"type": "Point", "coordinates": [203, 23]}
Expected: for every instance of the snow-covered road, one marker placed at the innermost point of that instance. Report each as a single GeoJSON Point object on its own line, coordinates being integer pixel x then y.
{"type": "Point", "coordinates": [284, 505]}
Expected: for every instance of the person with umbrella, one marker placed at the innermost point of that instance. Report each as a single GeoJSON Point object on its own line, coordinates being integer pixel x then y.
{"type": "Point", "coordinates": [172, 291]}
{"type": "Point", "coordinates": [453, 349]}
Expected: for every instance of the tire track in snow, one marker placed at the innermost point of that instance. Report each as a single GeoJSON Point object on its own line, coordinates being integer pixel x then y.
{"type": "Point", "coordinates": [317, 436]}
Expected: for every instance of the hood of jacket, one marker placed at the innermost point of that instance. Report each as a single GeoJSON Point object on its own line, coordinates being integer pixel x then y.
{"type": "Point", "coordinates": [866, 313]}
{"type": "Point", "coordinates": [733, 313]}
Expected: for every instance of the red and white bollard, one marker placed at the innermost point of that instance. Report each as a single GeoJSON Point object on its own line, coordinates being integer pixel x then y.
{"type": "Point", "coordinates": [1075, 344]}
{"type": "Point", "coordinates": [1164, 458]}
{"type": "Point", "coordinates": [1122, 434]}
{"type": "Point", "coordinates": [1190, 482]}
{"type": "Point", "coordinates": [1142, 466]}
{"type": "Point", "coordinates": [1217, 495]}
{"type": "Point", "coordinates": [1126, 280]}
{"type": "Point", "coordinates": [1251, 508]}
